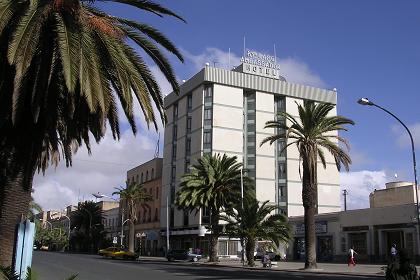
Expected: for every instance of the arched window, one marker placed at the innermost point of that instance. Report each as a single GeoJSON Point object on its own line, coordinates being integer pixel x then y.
{"type": "Point", "coordinates": [141, 178]}
{"type": "Point", "coordinates": [156, 215]}
{"type": "Point", "coordinates": [147, 176]}
{"type": "Point", "coordinates": [153, 174]}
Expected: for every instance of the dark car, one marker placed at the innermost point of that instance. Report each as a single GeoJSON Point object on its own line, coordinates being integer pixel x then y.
{"type": "Point", "coordinates": [182, 255]}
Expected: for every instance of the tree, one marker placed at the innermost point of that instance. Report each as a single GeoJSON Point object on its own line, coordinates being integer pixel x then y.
{"type": "Point", "coordinates": [64, 65]}
{"type": "Point", "coordinates": [215, 183]}
{"type": "Point", "coordinates": [314, 133]}
{"type": "Point", "coordinates": [256, 222]}
{"type": "Point", "coordinates": [33, 208]}
{"type": "Point", "coordinates": [88, 230]}
{"type": "Point", "coordinates": [132, 197]}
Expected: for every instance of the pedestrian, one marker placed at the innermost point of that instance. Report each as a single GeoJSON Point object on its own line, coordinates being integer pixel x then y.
{"type": "Point", "coordinates": [394, 253]}
{"type": "Point", "coordinates": [352, 252]}
{"type": "Point", "coordinates": [403, 269]}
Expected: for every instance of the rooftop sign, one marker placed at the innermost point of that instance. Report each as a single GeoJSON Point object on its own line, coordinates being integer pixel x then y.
{"type": "Point", "coordinates": [260, 64]}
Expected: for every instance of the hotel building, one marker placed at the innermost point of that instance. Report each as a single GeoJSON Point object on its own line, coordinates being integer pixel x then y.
{"type": "Point", "coordinates": [223, 111]}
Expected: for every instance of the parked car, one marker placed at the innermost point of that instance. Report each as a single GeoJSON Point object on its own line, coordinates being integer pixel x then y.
{"type": "Point", "coordinates": [117, 253]}
{"type": "Point", "coordinates": [182, 255]}
{"type": "Point", "coordinates": [273, 256]}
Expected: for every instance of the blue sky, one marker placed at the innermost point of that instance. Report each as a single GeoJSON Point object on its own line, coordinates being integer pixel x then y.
{"type": "Point", "coordinates": [362, 48]}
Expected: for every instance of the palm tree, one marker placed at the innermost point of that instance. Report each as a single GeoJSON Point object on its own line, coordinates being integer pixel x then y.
{"type": "Point", "coordinates": [214, 183]}
{"type": "Point", "coordinates": [314, 133]}
{"type": "Point", "coordinates": [132, 197]}
{"type": "Point", "coordinates": [255, 222]}
{"type": "Point", "coordinates": [88, 226]}
{"type": "Point", "coordinates": [64, 67]}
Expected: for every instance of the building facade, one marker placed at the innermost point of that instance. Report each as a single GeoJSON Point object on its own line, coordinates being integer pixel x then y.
{"type": "Point", "coordinates": [391, 219]}
{"type": "Point", "coordinates": [222, 111]}
{"type": "Point", "coordinates": [147, 226]}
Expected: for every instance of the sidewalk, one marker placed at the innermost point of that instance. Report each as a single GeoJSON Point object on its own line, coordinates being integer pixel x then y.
{"type": "Point", "coordinates": [323, 268]}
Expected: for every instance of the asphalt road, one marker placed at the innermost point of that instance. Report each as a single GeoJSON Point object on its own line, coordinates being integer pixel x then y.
{"type": "Point", "coordinates": [59, 266]}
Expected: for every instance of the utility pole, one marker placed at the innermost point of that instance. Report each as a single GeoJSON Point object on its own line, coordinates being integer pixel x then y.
{"type": "Point", "coordinates": [345, 193]}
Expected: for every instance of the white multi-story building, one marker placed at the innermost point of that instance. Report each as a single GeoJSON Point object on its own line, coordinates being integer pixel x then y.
{"type": "Point", "coordinates": [222, 111]}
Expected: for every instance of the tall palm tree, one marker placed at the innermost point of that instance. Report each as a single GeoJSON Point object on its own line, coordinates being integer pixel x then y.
{"type": "Point", "coordinates": [215, 183]}
{"type": "Point", "coordinates": [314, 133]}
{"type": "Point", "coordinates": [254, 222]}
{"type": "Point", "coordinates": [132, 197]}
{"type": "Point", "coordinates": [64, 67]}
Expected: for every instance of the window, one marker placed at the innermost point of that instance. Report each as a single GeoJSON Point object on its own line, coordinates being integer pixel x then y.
{"type": "Point", "coordinates": [141, 178]}
{"type": "Point", "coordinates": [188, 146]}
{"type": "Point", "coordinates": [282, 170]}
{"type": "Point", "coordinates": [189, 103]}
{"type": "Point", "coordinates": [150, 216]}
{"type": "Point", "coordinates": [205, 215]}
{"type": "Point", "coordinates": [175, 133]}
{"type": "Point", "coordinates": [189, 124]}
{"type": "Point", "coordinates": [153, 174]}
{"type": "Point", "coordinates": [187, 166]}
{"type": "Point", "coordinates": [175, 111]}
{"type": "Point", "coordinates": [156, 214]}
{"type": "Point", "coordinates": [157, 193]}
{"type": "Point", "coordinates": [174, 151]}
{"type": "Point", "coordinates": [207, 137]}
{"type": "Point", "coordinates": [171, 221]}
{"type": "Point", "coordinates": [186, 216]}
{"type": "Point", "coordinates": [173, 173]}
{"type": "Point", "coordinates": [208, 92]}
{"type": "Point", "coordinates": [207, 114]}
{"type": "Point", "coordinates": [281, 144]}
{"type": "Point", "coordinates": [137, 178]}
{"type": "Point", "coordinates": [147, 175]}
{"type": "Point", "coordinates": [280, 104]}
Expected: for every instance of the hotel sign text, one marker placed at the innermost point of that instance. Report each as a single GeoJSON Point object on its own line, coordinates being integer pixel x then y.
{"type": "Point", "coordinates": [260, 64]}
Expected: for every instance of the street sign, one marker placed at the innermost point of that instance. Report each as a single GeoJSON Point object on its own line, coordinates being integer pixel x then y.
{"type": "Point", "coordinates": [115, 240]}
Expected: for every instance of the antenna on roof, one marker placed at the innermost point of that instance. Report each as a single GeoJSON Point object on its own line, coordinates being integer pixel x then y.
{"type": "Point", "coordinates": [229, 60]}
{"type": "Point", "coordinates": [275, 55]}
{"type": "Point", "coordinates": [157, 147]}
{"type": "Point", "coordinates": [244, 47]}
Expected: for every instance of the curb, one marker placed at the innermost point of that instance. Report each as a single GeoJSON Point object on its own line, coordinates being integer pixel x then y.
{"type": "Point", "coordinates": [382, 275]}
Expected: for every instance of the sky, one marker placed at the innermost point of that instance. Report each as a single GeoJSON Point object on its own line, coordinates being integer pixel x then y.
{"type": "Point", "coordinates": [361, 48]}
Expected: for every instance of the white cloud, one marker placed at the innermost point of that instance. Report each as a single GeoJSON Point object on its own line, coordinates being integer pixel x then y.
{"type": "Point", "coordinates": [294, 70]}
{"type": "Point", "coordinates": [101, 172]}
{"type": "Point", "coordinates": [403, 140]}
{"type": "Point", "coordinates": [360, 184]}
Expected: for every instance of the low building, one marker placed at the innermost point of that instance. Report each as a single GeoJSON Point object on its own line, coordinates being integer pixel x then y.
{"type": "Point", "coordinates": [371, 231]}
{"type": "Point", "coordinates": [112, 224]}
{"type": "Point", "coordinates": [147, 226]}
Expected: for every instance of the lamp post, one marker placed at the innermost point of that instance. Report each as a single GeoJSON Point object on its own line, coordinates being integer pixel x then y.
{"type": "Point", "coordinates": [122, 226]}
{"type": "Point", "coordinates": [68, 236]}
{"type": "Point", "coordinates": [51, 226]}
{"type": "Point", "coordinates": [242, 207]}
{"type": "Point", "coordinates": [366, 101]}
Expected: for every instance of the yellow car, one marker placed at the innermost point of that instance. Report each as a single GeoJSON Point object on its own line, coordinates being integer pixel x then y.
{"type": "Point", "coordinates": [117, 253]}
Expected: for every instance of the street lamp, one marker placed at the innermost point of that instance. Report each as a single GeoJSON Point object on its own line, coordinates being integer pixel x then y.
{"type": "Point", "coordinates": [49, 224]}
{"type": "Point", "coordinates": [68, 236]}
{"type": "Point", "coordinates": [366, 101]}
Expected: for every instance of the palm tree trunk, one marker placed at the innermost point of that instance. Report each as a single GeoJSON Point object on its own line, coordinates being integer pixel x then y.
{"type": "Point", "coordinates": [131, 237]}
{"type": "Point", "coordinates": [15, 195]}
{"type": "Point", "coordinates": [214, 221]}
{"type": "Point", "coordinates": [309, 199]}
{"type": "Point", "coordinates": [250, 248]}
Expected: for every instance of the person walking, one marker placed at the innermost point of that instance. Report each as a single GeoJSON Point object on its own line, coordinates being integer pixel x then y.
{"type": "Point", "coordinates": [403, 269]}
{"type": "Point", "coordinates": [352, 253]}
{"type": "Point", "coordinates": [394, 253]}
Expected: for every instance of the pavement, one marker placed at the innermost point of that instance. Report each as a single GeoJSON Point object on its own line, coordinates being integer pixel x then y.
{"type": "Point", "coordinates": [54, 266]}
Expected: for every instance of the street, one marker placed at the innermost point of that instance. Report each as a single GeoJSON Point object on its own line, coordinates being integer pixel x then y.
{"type": "Point", "coordinates": [58, 266]}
